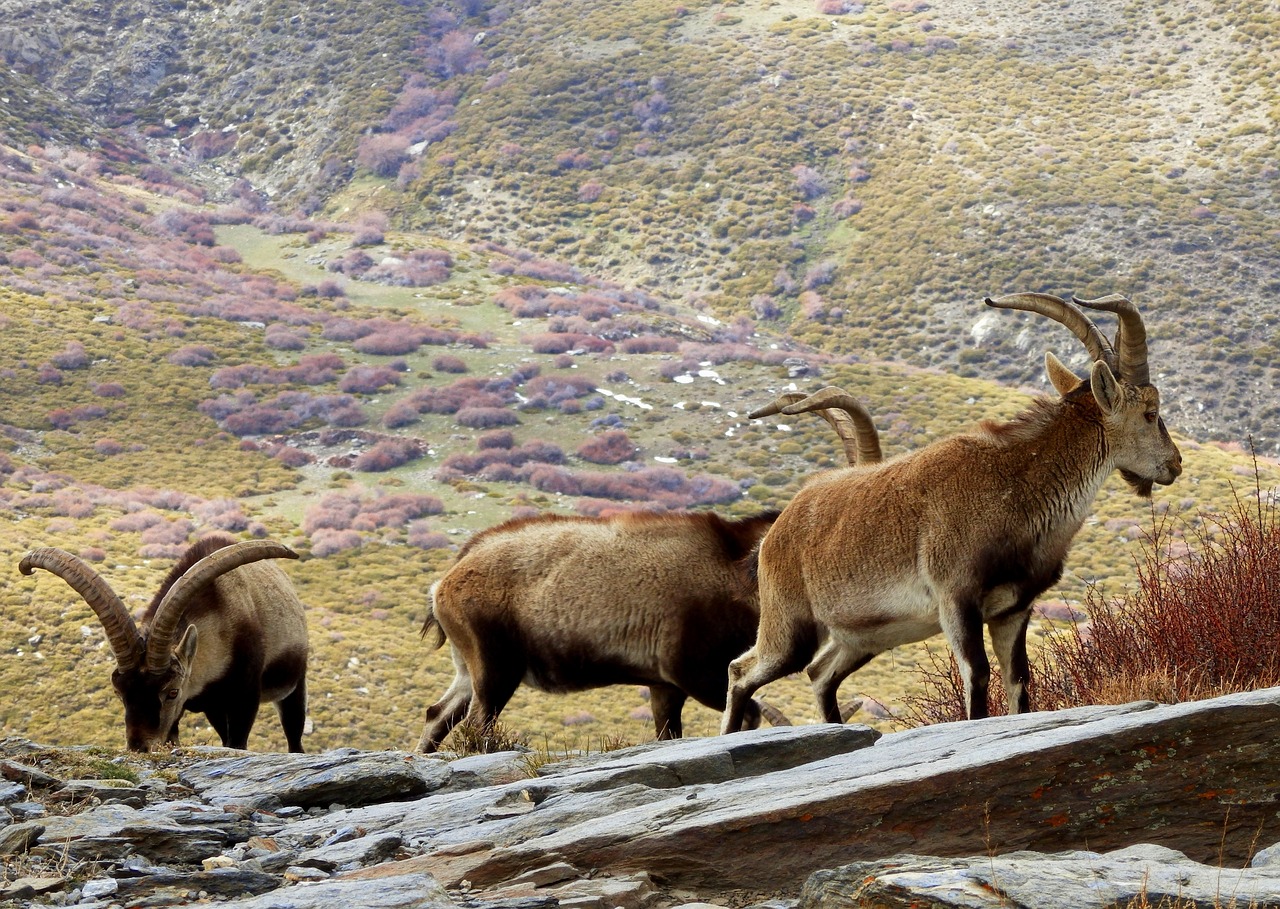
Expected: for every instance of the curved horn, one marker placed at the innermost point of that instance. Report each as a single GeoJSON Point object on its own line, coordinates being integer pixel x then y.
{"type": "Point", "coordinates": [1131, 337]}
{"type": "Point", "coordinates": [850, 419]}
{"type": "Point", "coordinates": [122, 632]}
{"type": "Point", "coordinates": [219, 562]}
{"type": "Point", "coordinates": [1065, 312]}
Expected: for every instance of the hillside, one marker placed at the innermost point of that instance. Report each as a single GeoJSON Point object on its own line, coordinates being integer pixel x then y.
{"type": "Point", "coordinates": [856, 173]}
{"type": "Point", "coordinates": [386, 274]}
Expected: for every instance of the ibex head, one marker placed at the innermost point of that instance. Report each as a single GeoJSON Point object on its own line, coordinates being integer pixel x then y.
{"type": "Point", "coordinates": [151, 675]}
{"type": "Point", "coordinates": [1135, 435]}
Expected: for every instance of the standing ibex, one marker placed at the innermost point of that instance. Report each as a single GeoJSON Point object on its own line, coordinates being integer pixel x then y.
{"type": "Point", "coordinates": [966, 531]}
{"type": "Point", "coordinates": [241, 640]}
{"type": "Point", "coordinates": [569, 603]}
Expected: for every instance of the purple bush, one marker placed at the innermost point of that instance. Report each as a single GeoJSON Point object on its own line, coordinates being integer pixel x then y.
{"type": "Point", "coordinates": [486, 417]}
{"type": "Point", "coordinates": [399, 415]}
{"type": "Point", "coordinates": [73, 356]}
{"type": "Point", "coordinates": [329, 542]}
{"type": "Point", "coordinates": [389, 454]}
{"type": "Point", "coordinates": [368, 379]}
{"type": "Point", "coordinates": [193, 355]}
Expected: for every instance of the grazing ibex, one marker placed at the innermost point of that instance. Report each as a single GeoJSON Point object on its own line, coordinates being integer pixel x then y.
{"type": "Point", "coordinates": [240, 632]}
{"type": "Point", "coordinates": [966, 531]}
{"type": "Point", "coordinates": [566, 604]}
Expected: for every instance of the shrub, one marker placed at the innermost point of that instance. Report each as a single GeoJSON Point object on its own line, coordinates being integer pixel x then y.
{"type": "Point", "coordinates": [612, 447]}
{"type": "Point", "coordinates": [389, 454]}
{"type": "Point", "coordinates": [329, 542]}
{"type": "Point", "coordinates": [259, 420]}
{"type": "Point", "coordinates": [1201, 621]}
{"type": "Point", "coordinates": [649, 344]}
{"type": "Point", "coordinates": [450, 364]}
{"type": "Point", "coordinates": [421, 536]}
{"type": "Point", "coordinates": [368, 379]}
{"type": "Point", "coordinates": [501, 438]}
{"type": "Point", "coordinates": [400, 415]}
{"type": "Point", "coordinates": [73, 356]}
{"type": "Point", "coordinates": [486, 417]}
{"type": "Point", "coordinates": [280, 337]}
{"type": "Point", "coordinates": [390, 343]}
{"type": "Point", "coordinates": [291, 457]}
{"type": "Point", "coordinates": [382, 153]}
{"type": "Point", "coordinates": [193, 355]}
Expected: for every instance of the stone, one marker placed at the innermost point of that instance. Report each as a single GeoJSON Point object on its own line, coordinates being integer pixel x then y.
{"type": "Point", "coordinates": [20, 838]}
{"type": "Point", "coordinates": [409, 891]}
{"type": "Point", "coordinates": [25, 888]}
{"type": "Point", "coordinates": [344, 776]}
{"type": "Point", "coordinates": [1145, 874]}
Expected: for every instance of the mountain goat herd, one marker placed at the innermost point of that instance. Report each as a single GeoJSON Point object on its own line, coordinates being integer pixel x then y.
{"type": "Point", "coordinates": [964, 532]}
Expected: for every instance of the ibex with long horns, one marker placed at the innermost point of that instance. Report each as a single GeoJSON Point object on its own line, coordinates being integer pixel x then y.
{"type": "Point", "coordinates": [964, 532]}
{"type": "Point", "coordinates": [225, 632]}
{"type": "Point", "coordinates": [569, 603]}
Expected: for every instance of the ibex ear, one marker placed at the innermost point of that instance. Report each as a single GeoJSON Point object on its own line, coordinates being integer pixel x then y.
{"type": "Point", "coordinates": [1062, 378]}
{"type": "Point", "coordinates": [187, 647]}
{"type": "Point", "coordinates": [1106, 389]}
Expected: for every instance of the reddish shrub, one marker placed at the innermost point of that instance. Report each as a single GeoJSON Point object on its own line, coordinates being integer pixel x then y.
{"type": "Point", "coordinates": [501, 438]}
{"type": "Point", "coordinates": [400, 415]}
{"type": "Point", "coordinates": [108, 390]}
{"type": "Point", "coordinates": [649, 344]}
{"type": "Point", "coordinates": [368, 379]}
{"type": "Point", "coordinates": [328, 542]}
{"type": "Point", "coordinates": [389, 454]}
{"type": "Point", "coordinates": [486, 417]}
{"type": "Point", "coordinates": [168, 533]}
{"type": "Point", "coordinates": [447, 363]}
{"type": "Point", "coordinates": [291, 457]}
{"type": "Point", "coordinates": [194, 355]}
{"type": "Point", "coordinates": [107, 447]}
{"type": "Point", "coordinates": [558, 343]}
{"type": "Point", "coordinates": [382, 153]}
{"type": "Point", "coordinates": [389, 343]}
{"type": "Point", "coordinates": [421, 536]}
{"type": "Point", "coordinates": [136, 521]}
{"type": "Point", "coordinates": [612, 447]}
{"type": "Point", "coordinates": [280, 337]}
{"type": "Point", "coordinates": [259, 420]}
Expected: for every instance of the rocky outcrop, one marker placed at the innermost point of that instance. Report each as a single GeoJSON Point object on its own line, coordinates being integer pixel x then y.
{"type": "Point", "coordinates": [997, 806]}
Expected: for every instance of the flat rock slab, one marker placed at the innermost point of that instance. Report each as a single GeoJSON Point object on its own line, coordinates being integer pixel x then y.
{"type": "Point", "coordinates": [406, 891]}
{"type": "Point", "coordinates": [1197, 777]}
{"type": "Point", "coordinates": [344, 776]}
{"type": "Point", "coordinates": [1142, 875]}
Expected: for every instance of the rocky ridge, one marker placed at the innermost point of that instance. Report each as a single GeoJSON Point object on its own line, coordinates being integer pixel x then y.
{"type": "Point", "coordinates": [1088, 807]}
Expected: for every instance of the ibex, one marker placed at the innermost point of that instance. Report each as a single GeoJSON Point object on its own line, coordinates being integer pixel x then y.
{"type": "Point", "coordinates": [966, 531]}
{"type": "Point", "coordinates": [241, 640]}
{"type": "Point", "coordinates": [566, 604]}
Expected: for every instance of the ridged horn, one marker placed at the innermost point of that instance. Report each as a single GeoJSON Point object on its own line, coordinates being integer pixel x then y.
{"type": "Point", "coordinates": [1068, 314]}
{"type": "Point", "coordinates": [122, 632]}
{"type": "Point", "coordinates": [169, 612]}
{"type": "Point", "coordinates": [847, 417]}
{"type": "Point", "coordinates": [1131, 337]}
{"type": "Point", "coordinates": [851, 420]}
